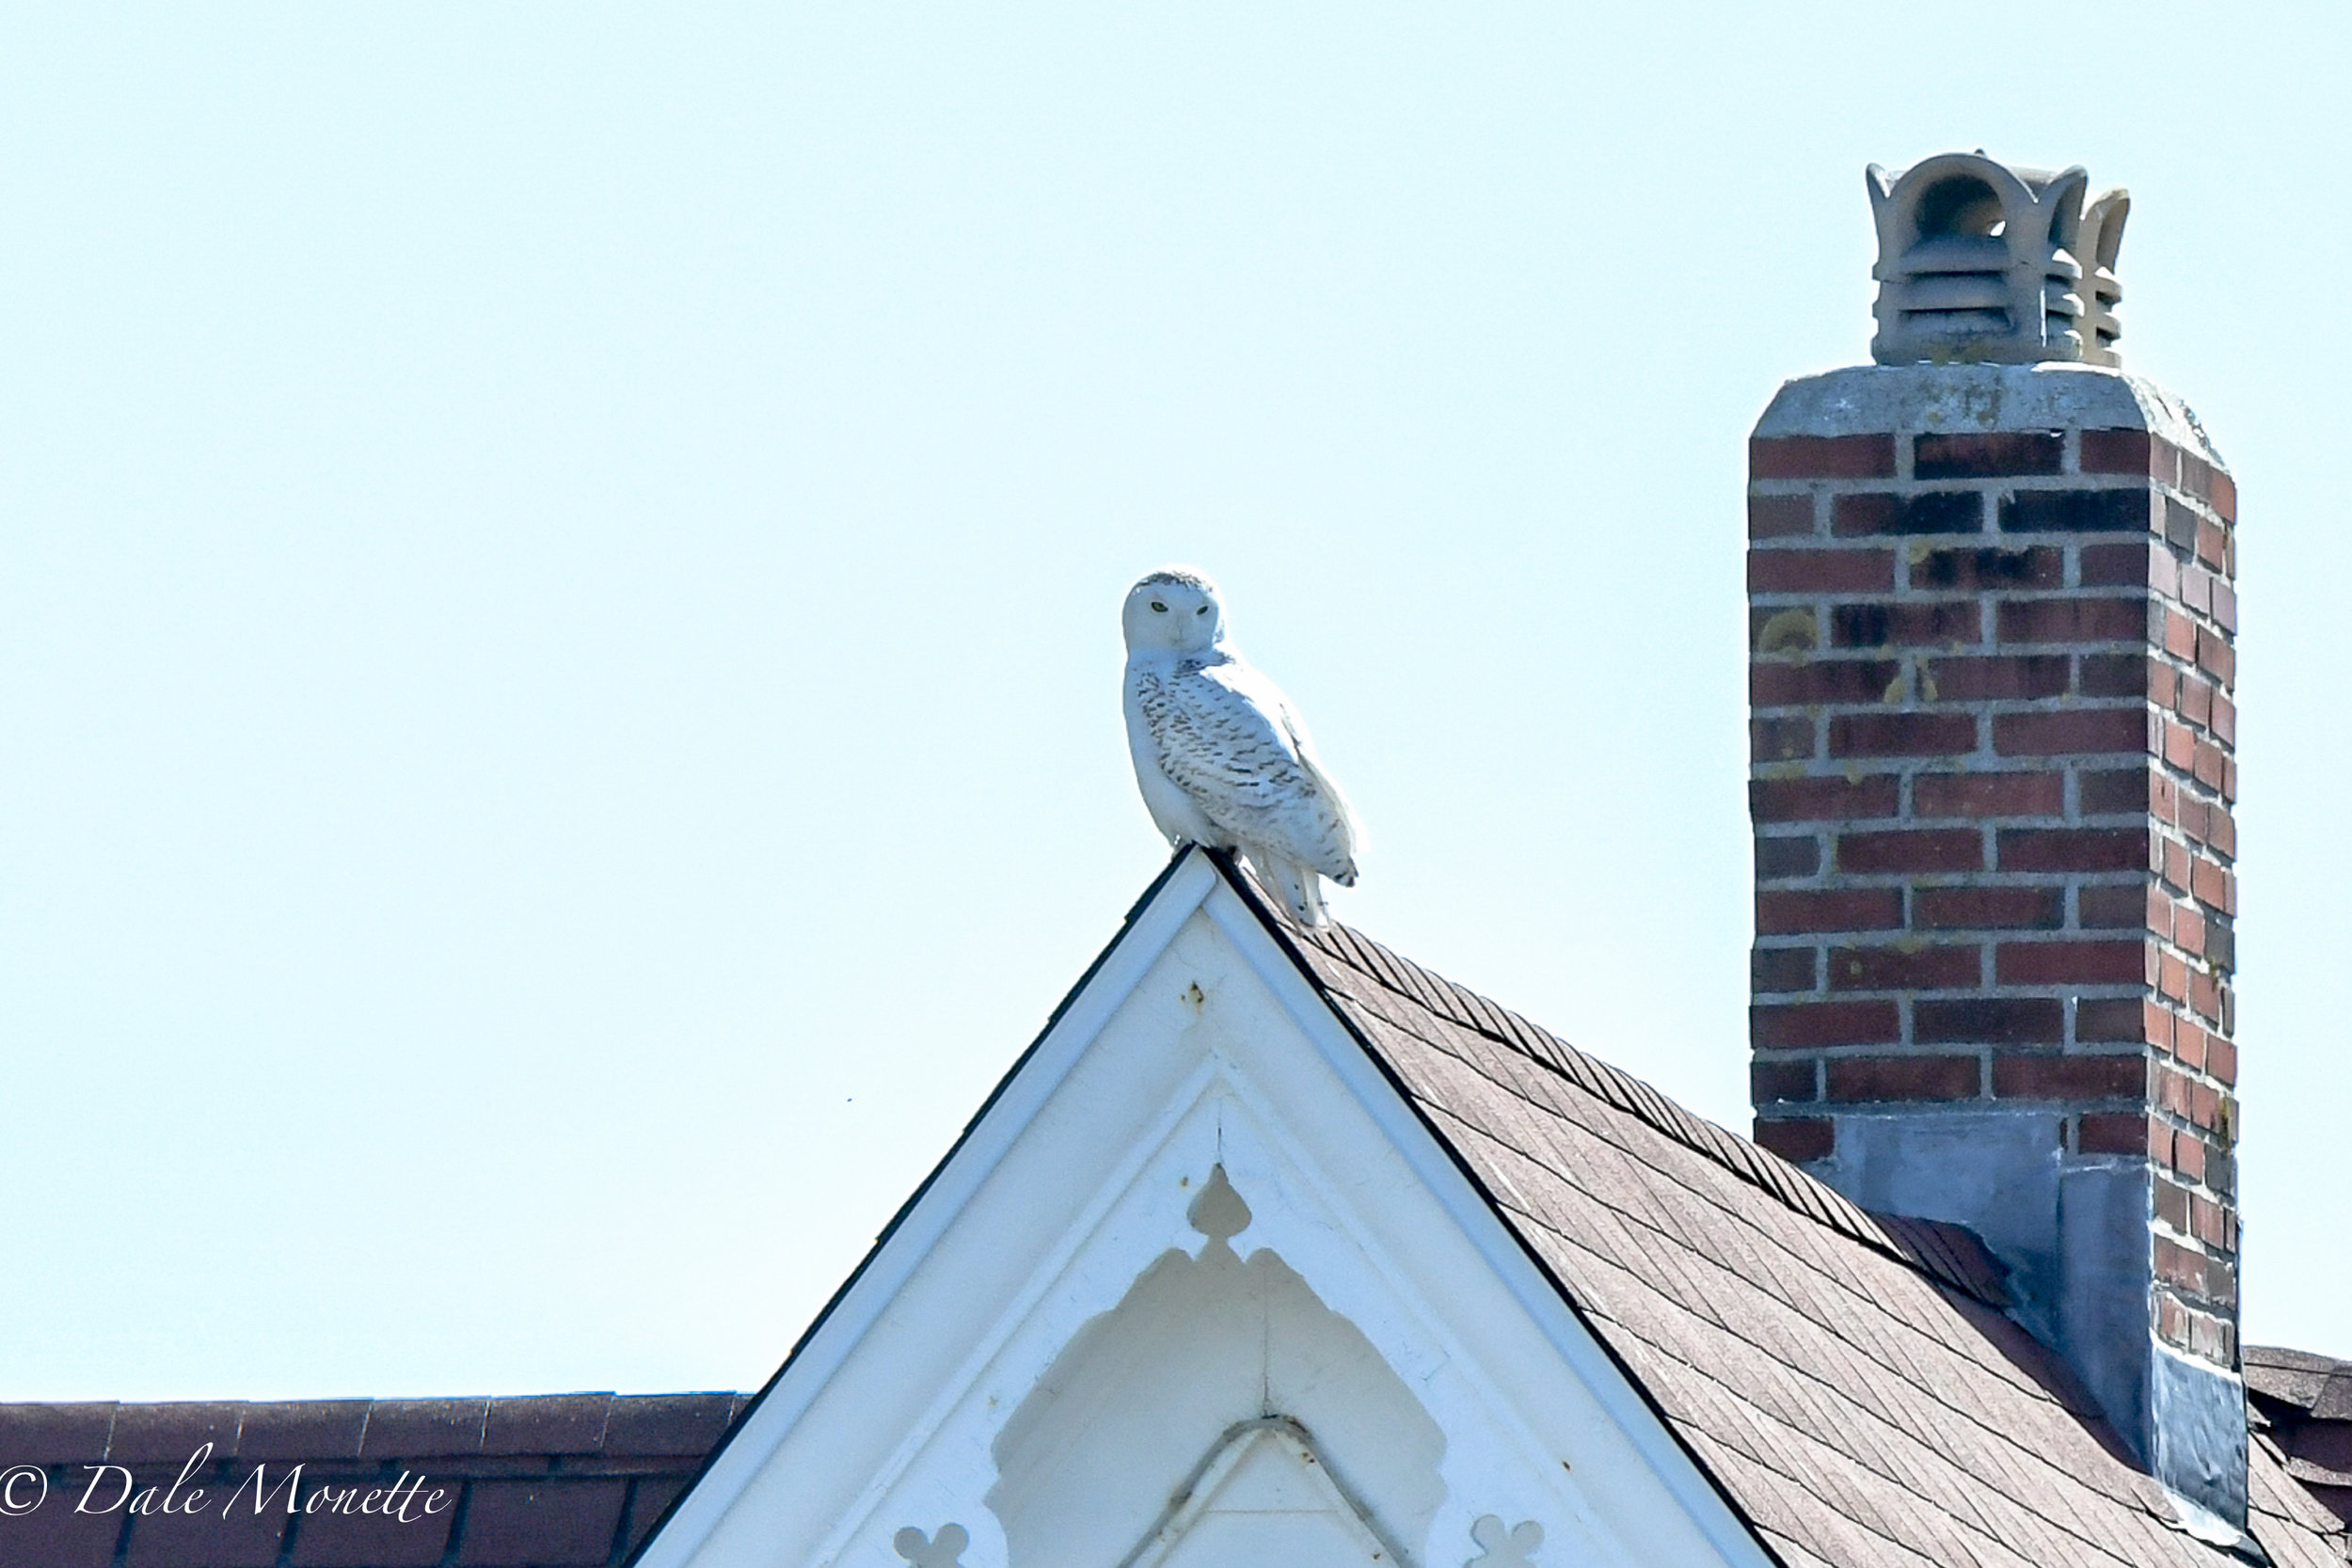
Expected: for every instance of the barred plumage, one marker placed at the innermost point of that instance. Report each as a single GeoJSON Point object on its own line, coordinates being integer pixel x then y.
{"type": "Point", "coordinates": [1221, 756]}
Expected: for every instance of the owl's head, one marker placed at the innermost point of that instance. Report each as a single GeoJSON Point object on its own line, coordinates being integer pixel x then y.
{"type": "Point", "coordinates": [1176, 609]}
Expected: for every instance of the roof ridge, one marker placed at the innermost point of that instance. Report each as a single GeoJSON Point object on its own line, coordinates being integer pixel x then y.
{"type": "Point", "coordinates": [1925, 1246]}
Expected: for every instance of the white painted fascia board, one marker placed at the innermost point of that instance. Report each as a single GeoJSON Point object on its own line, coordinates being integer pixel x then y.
{"type": "Point", "coordinates": [1577, 1343]}
{"type": "Point", "coordinates": [928, 1215]}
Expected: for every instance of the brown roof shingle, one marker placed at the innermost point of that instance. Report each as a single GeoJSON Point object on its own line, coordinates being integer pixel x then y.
{"type": "Point", "coordinates": [2307, 1400]}
{"type": "Point", "coordinates": [1850, 1381]}
{"type": "Point", "coordinates": [565, 1481]}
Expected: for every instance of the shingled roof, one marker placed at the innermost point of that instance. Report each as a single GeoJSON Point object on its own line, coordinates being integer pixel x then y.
{"type": "Point", "coordinates": [570, 1481]}
{"type": "Point", "coordinates": [1850, 1382]}
{"type": "Point", "coordinates": [2307, 1400]}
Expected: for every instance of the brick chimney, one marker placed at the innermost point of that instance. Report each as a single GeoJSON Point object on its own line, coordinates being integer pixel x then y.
{"type": "Point", "coordinates": [1991, 619]}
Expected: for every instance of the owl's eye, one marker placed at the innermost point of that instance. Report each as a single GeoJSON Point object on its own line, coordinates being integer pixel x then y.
{"type": "Point", "coordinates": [1203, 610]}
{"type": "Point", "coordinates": [1159, 607]}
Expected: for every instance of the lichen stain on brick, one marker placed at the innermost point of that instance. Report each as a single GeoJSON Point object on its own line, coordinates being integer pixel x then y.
{"type": "Point", "coordinates": [1792, 633]}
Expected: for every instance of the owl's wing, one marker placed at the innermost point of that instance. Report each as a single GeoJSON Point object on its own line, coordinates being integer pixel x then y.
{"type": "Point", "coordinates": [1227, 737]}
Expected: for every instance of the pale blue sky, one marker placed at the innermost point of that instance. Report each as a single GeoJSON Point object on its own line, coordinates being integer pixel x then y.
{"type": "Point", "coordinates": [559, 571]}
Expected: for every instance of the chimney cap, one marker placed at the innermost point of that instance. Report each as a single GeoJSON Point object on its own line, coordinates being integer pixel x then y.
{"type": "Point", "coordinates": [1986, 263]}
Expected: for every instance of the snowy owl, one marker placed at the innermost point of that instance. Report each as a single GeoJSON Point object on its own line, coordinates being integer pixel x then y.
{"type": "Point", "coordinates": [1222, 757]}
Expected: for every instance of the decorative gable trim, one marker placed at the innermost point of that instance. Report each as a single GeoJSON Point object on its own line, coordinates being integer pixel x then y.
{"type": "Point", "coordinates": [1261, 1074]}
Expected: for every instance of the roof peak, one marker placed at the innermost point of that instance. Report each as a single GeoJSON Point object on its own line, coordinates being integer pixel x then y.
{"type": "Point", "coordinates": [1950, 1254]}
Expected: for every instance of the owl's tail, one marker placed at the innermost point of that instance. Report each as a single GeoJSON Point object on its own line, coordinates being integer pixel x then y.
{"type": "Point", "coordinates": [1297, 885]}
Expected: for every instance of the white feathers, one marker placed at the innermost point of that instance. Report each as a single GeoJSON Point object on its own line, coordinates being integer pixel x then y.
{"type": "Point", "coordinates": [1222, 757]}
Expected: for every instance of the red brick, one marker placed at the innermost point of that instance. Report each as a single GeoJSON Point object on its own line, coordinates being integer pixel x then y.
{"type": "Point", "coordinates": [2071, 731]}
{"type": "Point", "coordinates": [2177, 1265]}
{"type": "Point", "coordinates": [1951, 622]}
{"type": "Point", "coordinates": [1821, 457]}
{"type": "Point", "coordinates": [1987, 454]}
{"type": "Point", "coordinates": [1797, 1138]}
{"type": "Point", "coordinates": [2210, 543]}
{"type": "Point", "coordinates": [2225, 495]}
{"type": "Point", "coordinates": [1787, 855]}
{"type": "Point", "coordinates": [2121, 676]}
{"type": "Point", "coordinates": [2204, 996]}
{"type": "Point", "coordinates": [2001, 676]}
{"type": "Point", "coordinates": [2180, 525]}
{"type": "Point", "coordinates": [1895, 968]}
{"type": "Point", "coordinates": [2036, 793]}
{"type": "Point", "coordinates": [2083, 963]}
{"type": "Point", "coordinates": [2135, 565]}
{"type": "Point", "coordinates": [1821, 799]}
{"type": "Point", "coordinates": [1781, 912]}
{"type": "Point", "coordinates": [2172, 976]}
{"type": "Point", "coordinates": [1901, 734]}
{"type": "Point", "coordinates": [2220, 1282]}
{"type": "Point", "coordinates": [2112, 906]}
{"type": "Point", "coordinates": [2208, 764]}
{"type": "Point", "coordinates": [1781, 969]}
{"type": "Point", "coordinates": [2073, 849]}
{"type": "Point", "coordinates": [2106, 792]}
{"type": "Point", "coordinates": [2021, 1076]}
{"type": "Point", "coordinates": [2116, 451]}
{"type": "Point", "coordinates": [2180, 632]}
{"type": "Point", "coordinates": [1934, 512]}
{"type": "Point", "coordinates": [2221, 1058]}
{"type": "Point", "coordinates": [2225, 605]}
{"type": "Point", "coordinates": [2113, 1133]}
{"type": "Point", "coordinates": [2171, 1203]}
{"type": "Point", "coordinates": [545, 1524]}
{"type": "Point", "coordinates": [1812, 571]}
{"type": "Point", "coordinates": [2196, 475]}
{"type": "Point", "coordinates": [1912, 850]}
{"type": "Point", "coordinates": [1782, 631]}
{"type": "Point", "coordinates": [2179, 744]}
{"type": "Point", "coordinates": [2194, 700]}
{"type": "Point", "coordinates": [2123, 510]}
{"type": "Point", "coordinates": [2188, 1155]}
{"type": "Point", "coordinates": [1859, 1079]}
{"type": "Point", "coordinates": [2225, 719]}
{"type": "Point", "coordinates": [2187, 928]}
{"type": "Point", "coordinates": [1779, 516]}
{"type": "Point", "coordinates": [1787, 739]}
{"type": "Point", "coordinates": [1803, 1025]}
{"type": "Point", "coordinates": [2074, 619]}
{"type": "Point", "coordinates": [2209, 882]}
{"type": "Point", "coordinates": [1965, 908]}
{"type": "Point", "coordinates": [1978, 570]}
{"type": "Point", "coordinates": [2217, 659]}
{"type": "Point", "coordinates": [1781, 1080]}
{"type": "Point", "coordinates": [2196, 590]}
{"type": "Point", "coordinates": [1772, 684]}
{"type": "Point", "coordinates": [1990, 1021]}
